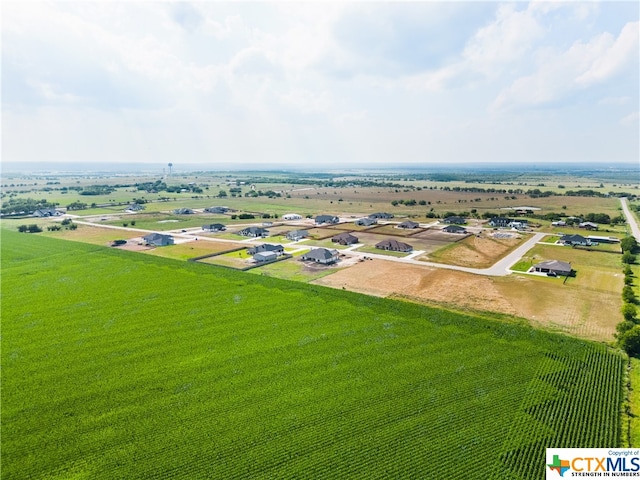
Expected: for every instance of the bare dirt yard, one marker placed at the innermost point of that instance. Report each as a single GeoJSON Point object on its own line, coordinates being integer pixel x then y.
{"type": "Point", "coordinates": [473, 251]}
{"type": "Point", "coordinates": [544, 302]}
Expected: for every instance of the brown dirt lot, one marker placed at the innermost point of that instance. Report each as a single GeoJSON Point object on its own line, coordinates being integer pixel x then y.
{"type": "Point", "coordinates": [475, 252]}
{"type": "Point", "coordinates": [544, 302]}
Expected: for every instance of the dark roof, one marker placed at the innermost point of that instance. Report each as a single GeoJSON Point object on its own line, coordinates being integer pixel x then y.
{"type": "Point", "coordinates": [254, 231]}
{"type": "Point", "coordinates": [454, 219]}
{"type": "Point", "coordinates": [214, 226]}
{"type": "Point", "coordinates": [393, 244]}
{"type": "Point", "coordinates": [157, 237]}
{"type": "Point", "coordinates": [408, 224]}
{"type": "Point", "coordinates": [344, 238]}
{"type": "Point", "coordinates": [381, 215]}
{"type": "Point", "coordinates": [555, 265]}
{"type": "Point", "coordinates": [575, 238]}
{"type": "Point", "coordinates": [320, 254]}
{"type": "Point", "coordinates": [298, 233]}
{"type": "Point", "coordinates": [266, 247]}
{"type": "Point", "coordinates": [326, 219]}
{"type": "Point", "coordinates": [454, 229]}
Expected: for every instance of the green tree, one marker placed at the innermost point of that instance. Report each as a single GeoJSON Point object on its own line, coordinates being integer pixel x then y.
{"type": "Point", "coordinates": [222, 194]}
{"type": "Point", "coordinates": [629, 341]}
{"type": "Point", "coordinates": [628, 258]}
{"type": "Point", "coordinates": [629, 312]}
{"type": "Point", "coordinates": [628, 244]}
{"type": "Point", "coordinates": [628, 295]}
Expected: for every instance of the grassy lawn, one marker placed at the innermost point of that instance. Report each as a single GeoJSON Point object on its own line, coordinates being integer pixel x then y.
{"type": "Point", "coordinates": [185, 251]}
{"type": "Point", "coordinates": [293, 269]}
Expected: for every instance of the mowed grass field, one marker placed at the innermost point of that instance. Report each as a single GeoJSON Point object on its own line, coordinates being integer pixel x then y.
{"type": "Point", "coordinates": [123, 365]}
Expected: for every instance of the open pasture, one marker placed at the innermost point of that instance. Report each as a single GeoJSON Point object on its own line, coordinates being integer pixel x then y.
{"type": "Point", "coordinates": [542, 301]}
{"type": "Point", "coordinates": [143, 367]}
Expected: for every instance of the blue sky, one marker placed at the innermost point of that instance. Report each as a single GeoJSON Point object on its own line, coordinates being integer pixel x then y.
{"type": "Point", "coordinates": [335, 83]}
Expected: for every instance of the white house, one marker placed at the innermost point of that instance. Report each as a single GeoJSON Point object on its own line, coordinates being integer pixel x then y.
{"type": "Point", "coordinates": [291, 216]}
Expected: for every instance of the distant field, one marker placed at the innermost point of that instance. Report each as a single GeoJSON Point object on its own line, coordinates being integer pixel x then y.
{"type": "Point", "coordinates": [144, 367]}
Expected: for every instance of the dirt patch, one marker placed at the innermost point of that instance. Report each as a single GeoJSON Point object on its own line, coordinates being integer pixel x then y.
{"type": "Point", "coordinates": [475, 252]}
{"type": "Point", "coordinates": [545, 302]}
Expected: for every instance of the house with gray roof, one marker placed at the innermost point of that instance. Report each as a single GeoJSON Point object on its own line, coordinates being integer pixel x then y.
{"type": "Point", "coordinates": [214, 227]}
{"type": "Point", "coordinates": [556, 267]}
{"type": "Point", "coordinates": [344, 238]}
{"type": "Point", "coordinates": [408, 224]}
{"type": "Point", "coordinates": [381, 215]}
{"type": "Point", "coordinates": [296, 235]}
{"type": "Point", "coordinates": [47, 212]}
{"type": "Point", "coordinates": [158, 239]}
{"type": "Point", "coordinates": [183, 211]}
{"type": "Point", "coordinates": [261, 257]}
{"type": "Point", "coordinates": [320, 219]}
{"type": "Point", "coordinates": [394, 245]}
{"type": "Point", "coordinates": [455, 220]}
{"type": "Point", "coordinates": [321, 255]}
{"type": "Point", "coordinates": [573, 240]}
{"type": "Point", "coordinates": [266, 247]}
{"type": "Point", "coordinates": [454, 229]}
{"type": "Point", "coordinates": [366, 221]}
{"type": "Point", "coordinates": [254, 232]}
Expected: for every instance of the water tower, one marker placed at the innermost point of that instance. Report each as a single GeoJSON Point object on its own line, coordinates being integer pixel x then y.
{"type": "Point", "coordinates": [170, 165]}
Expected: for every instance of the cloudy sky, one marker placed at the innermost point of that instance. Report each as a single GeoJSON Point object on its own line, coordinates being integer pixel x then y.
{"type": "Point", "coordinates": [335, 83]}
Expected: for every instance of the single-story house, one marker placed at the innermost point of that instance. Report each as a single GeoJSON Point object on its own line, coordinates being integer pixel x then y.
{"type": "Point", "coordinates": [553, 266]}
{"type": "Point", "coordinates": [216, 209]}
{"type": "Point", "coordinates": [183, 211]}
{"type": "Point", "coordinates": [366, 222]}
{"type": "Point", "coordinates": [47, 212]}
{"type": "Point", "coordinates": [214, 227]}
{"type": "Point", "coordinates": [326, 219]}
{"type": "Point", "coordinates": [296, 235]}
{"type": "Point", "coordinates": [408, 224]}
{"type": "Point", "coordinates": [254, 232]}
{"type": "Point", "coordinates": [262, 257]}
{"type": "Point", "coordinates": [455, 220]}
{"type": "Point", "coordinates": [588, 225]}
{"type": "Point", "coordinates": [321, 255]}
{"type": "Point", "coordinates": [454, 229]}
{"type": "Point", "coordinates": [134, 207]}
{"type": "Point", "coordinates": [158, 239]}
{"type": "Point", "coordinates": [574, 240]}
{"type": "Point", "coordinates": [344, 238]}
{"type": "Point", "coordinates": [381, 215]}
{"type": "Point", "coordinates": [266, 247]}
{"type": "Point", "coordinates": [291, 216]}
{"type": "Point", "coordinates": [394, 246]}
{"type": "Point", "coordinates": [559, 223]}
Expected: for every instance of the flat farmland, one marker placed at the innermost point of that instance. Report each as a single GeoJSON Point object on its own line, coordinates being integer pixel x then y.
{"type": "Point", "coordinates": [543, 301]}
{"type": "Point", "coordinates": [145, 367]}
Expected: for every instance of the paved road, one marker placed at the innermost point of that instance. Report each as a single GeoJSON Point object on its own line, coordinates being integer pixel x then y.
{"type": "Point", "coordinates": [631, 220]}
{"type": "Point", "coordinates": [498, 269]}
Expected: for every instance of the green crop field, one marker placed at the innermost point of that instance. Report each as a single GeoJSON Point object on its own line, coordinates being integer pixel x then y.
{"type": "Point", "coordinates": [121, 365]}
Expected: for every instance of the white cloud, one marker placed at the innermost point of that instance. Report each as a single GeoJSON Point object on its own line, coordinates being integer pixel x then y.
{"type": "Point", "coordinates": [580, 66]}
{"type": "Point", "coordinates": [630, 119]}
